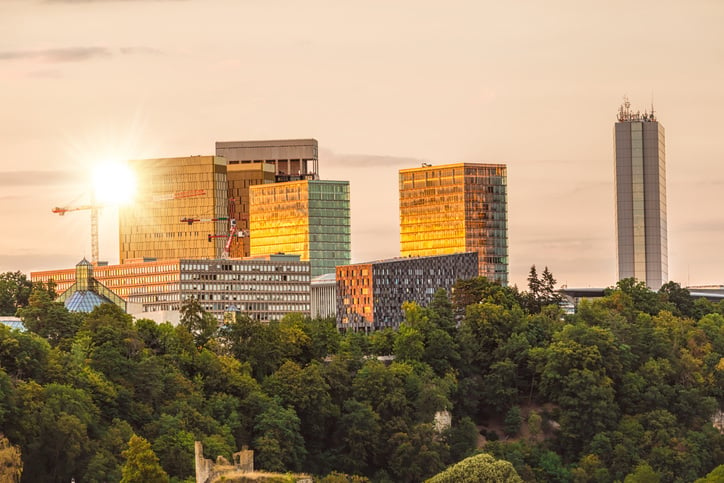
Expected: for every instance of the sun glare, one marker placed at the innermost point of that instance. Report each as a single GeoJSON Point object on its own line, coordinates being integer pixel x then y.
{"type": "Point", "coordinates": [113, 184]}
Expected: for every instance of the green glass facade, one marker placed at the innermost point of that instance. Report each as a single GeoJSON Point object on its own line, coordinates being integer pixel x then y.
{"type": "Point", "coordinates": [310, 218]}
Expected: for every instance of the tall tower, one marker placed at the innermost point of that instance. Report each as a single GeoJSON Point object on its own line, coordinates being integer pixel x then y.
{"type": "Point", "coordinates": [640, 161]}
{"type": "Point", "coordinates": [172, 189]}
{"type": "Point", "coordinates": [457, 208]}
{"type": "Point", "coordinates": [309, 218]}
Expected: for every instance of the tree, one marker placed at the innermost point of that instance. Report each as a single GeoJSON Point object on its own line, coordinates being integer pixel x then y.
{"type": "Point", "coordinates": [535, 287]}
{"type": "Point", "coordinates": [278, 444]}
{"type": "Point", "coordinates": [542, 290]}
{"type": "Point", "coordinates": [679, 297]}
{"type": "Point", "coordinates": [643, 474]}
{"type": "Point", "coordinates": [196, 320]}
{"type": "Point", "coordinates": [11, 463]}
{"type": "Point", "coordinates": [481, 467]}
{"type": "Point", "coordinates": [717, 475]}
{"type": "Point", "coordinates": [15, 291]}
{"type": "Point", "coordinates": [141, 463]}
{"type": "Point", "coordinates": [512, 421]}
{"type": "Point", "coordinates": [357, 433]}
{"type": "Point", "coordinates": [480, 289]}
{"type": "Point", "coordinates": [48, 318]}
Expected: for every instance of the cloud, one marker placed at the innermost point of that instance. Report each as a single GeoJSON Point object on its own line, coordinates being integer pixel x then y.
{"type": "Point", "coordinates": [330, 158]}
{"type": "Point", "coordinates": [36, 178]}
{"type": "Point", "coordinates": [108, 1]}
{"type": "Point", "coordinates": [73, 54]}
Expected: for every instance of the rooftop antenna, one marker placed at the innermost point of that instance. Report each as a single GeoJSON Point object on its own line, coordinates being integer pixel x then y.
{"type": "Point", "coordinates": [653, 117]}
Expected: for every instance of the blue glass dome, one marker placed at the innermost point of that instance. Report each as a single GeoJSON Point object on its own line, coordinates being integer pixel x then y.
{"type": "Point", "coordinates": [85, 301]}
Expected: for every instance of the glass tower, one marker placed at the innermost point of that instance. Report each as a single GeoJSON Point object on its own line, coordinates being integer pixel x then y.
{"type": "Point", "coordinates": [310, 218]}
{"type": "Point", "coordinates": [640, 164]}
{"type": "Point", "coordinates": [171, 189]}
{"type": "Point", "coordinates": [457, 208]}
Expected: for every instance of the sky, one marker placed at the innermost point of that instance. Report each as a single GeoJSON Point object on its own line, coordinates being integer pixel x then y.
{"type": "Point", "coordinates": [382, 85]}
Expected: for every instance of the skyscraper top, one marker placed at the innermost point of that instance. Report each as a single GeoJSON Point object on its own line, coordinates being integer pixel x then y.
{"type": "Point", "coordinates": [625, 114]}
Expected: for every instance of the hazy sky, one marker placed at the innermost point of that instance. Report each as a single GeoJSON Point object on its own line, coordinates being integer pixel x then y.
{"type": "Point", "coordinates": [382, 85]}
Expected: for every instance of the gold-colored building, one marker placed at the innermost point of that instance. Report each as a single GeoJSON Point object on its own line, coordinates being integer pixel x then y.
{"type": "Point", "coordinates": [310, 218]}
{"type": "Point", "coordinates": [169, 190]}
{"type": "Point", "coordinates": [456, 208]}
{"type": "Point", "coordinates": [240, 177]}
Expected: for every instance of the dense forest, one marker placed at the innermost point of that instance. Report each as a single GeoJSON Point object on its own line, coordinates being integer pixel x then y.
{"type": "Point", "coordinates": [623, 390]}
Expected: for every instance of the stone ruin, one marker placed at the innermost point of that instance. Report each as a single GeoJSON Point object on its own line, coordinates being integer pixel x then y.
{"type": "Point", "coordinates": [207, 470]}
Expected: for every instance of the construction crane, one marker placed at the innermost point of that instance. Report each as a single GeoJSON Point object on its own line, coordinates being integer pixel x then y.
{"type": "Point", "coordinates": [96, 207]}
{"type": "Point", "coordinates": [234, 232]}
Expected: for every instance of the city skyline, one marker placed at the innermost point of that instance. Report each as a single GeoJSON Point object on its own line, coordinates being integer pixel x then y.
{"type": "Point", "coordinates": [382, 88]}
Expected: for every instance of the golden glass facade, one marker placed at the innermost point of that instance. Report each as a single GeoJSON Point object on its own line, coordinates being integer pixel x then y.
{"type": "Point", "coordinates": [151, 227]}
{"type": "Point", "coordinates": [456, 208]}
{"type": "Point", "coordinates": [309, 218]}
{"type": "Point", "coordinates": [240, 177]}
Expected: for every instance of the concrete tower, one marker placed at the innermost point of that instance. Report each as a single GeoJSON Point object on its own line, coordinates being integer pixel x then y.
{"type": "Point", "coordinates": [641, 197]}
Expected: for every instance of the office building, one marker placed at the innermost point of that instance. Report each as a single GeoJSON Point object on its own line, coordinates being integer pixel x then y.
{"type": "Point", "coordinates": [259, 162]}
{"type": "Point", "coordinates": [640, 170]}
{"type": "Point", "coordinates": [456, 208]}
{"type": "Point", "coordinates": [239, 178]}
{"type": "Point", "coordinates": [370, 295]}
{"type": "Point", "coordinates": [264, 288]}
{"type": "Point", "coordinates": [169, 191]}
{"type": "Point", "coordinates": [309, 218]}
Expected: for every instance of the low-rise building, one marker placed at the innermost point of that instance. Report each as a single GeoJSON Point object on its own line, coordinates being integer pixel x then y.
{"type": "Point", "coordinates": [370, 295]}
{"type": "Point", "coordinates": [265, 288]}
{"type": "Point", "coordinates": [324, 296]}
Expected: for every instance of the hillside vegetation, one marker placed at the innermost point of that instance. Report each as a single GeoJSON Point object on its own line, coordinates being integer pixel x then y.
{"type": "Point", "coordinates": [631, 383]}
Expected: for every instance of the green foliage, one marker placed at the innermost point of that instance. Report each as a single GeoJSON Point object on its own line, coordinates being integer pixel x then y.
{"type": "Point", "coordinates": [632, 380]}
{"type": "Point", "coordinates": [141, 464]}
{"type": "Point", "coordinates": [542, 290]}
{"type": "Point", "coordinates": [643, 474]}
{"type": "Point", "coordinates": [512, 421]}
{"type": "Point", "coordinates": [478, 468]}
{"type": "Point", "coordinates": [278, 442]}
{"type": "Point", "coordinates": [11, 462]}
{"type": "Point", "coordinates": [48, 318]}
{"type": "Point", "coordinates": [716, 476]}
{"type": "Point", "coordinates": [15, 289]}
{"type": "Point", "coordinates": [201, 324]}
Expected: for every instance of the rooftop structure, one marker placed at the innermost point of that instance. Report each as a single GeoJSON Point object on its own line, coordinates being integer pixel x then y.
{"type": "Point", "coordinates": [88, 293]}
{"type": "Point", "coordinates": [289, 157]}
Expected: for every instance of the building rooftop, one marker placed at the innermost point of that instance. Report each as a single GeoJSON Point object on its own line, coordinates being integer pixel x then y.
{"type": "Point", "coordinates": [85, 301]}
{"type": "Point", "coordinates": [453, 165]}
{"type": "Point", "coordinates": [402, 259]}
{"type": "Point", "coordinates": [327, 277]}
{"type": "Point", "coordinates": [12, 322]}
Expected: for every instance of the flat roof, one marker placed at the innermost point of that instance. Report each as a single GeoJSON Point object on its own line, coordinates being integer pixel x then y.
{"type": "Point", "coordinates": [426, 166]}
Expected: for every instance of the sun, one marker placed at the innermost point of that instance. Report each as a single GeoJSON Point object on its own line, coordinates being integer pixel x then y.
{"type": "Point", "coordinates": [113, 183]}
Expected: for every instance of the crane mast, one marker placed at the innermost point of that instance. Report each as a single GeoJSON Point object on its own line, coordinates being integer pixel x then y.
{"type": "Point", "coordinates": [95, 208]}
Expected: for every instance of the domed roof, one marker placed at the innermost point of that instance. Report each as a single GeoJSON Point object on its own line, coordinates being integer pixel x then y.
{"type": "Point", "coordinates": [85, 301]}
